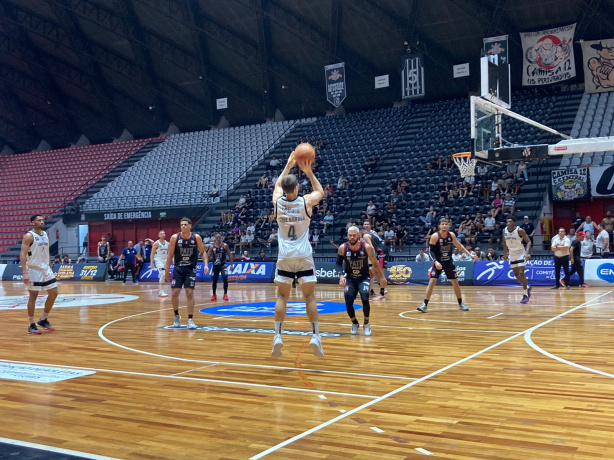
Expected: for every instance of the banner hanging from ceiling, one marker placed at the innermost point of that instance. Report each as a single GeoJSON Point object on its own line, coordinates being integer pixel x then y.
{"type": "Point", "coordinates": [548, 56]}
{"type": "Point", "coordinates": [598, 65]}
{"type": "Point", "coordinates": [334, 76]}
{"type": "Point", "coordinates": [412, 76]}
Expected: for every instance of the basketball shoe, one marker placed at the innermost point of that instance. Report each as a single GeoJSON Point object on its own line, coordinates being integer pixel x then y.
{"type": "Point", "coordinates": [316, 345]}
{"type": "Point", "coordinates": [463, 307]}
{"type": "Point", "coordinates": [213, 298]}
{"type": "Point", "coordinates": [278, 344]}
{"type": "Point", "coordinates": [355, 327]}
{"type": "Point", "coordinates": [191, 324]}
{"type": "Point", "coordinates": [33, 329]}
{"type": "Point", "coordinates": [45, 325]}
{"type": "Point", "coordinates": [367, 328]}
{"type": "Point", "coordinates": [225, 297]}
{"type": "Point", "coordinates": [177, 322]}
{"type": "Point", "coordinates": [423, 308]}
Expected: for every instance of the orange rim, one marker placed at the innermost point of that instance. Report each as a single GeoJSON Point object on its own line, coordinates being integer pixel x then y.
{"type": "Point", "coordinates": [461, 154]}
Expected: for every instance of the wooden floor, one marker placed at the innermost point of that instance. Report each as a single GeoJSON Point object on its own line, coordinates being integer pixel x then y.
{"type": "Point", "coordinates": [502, 381]}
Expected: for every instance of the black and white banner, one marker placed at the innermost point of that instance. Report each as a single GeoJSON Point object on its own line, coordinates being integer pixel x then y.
{"type": "Point", "coordinates": [548, 56]}
{"type": "Point", "coordinates": [598, 65]}
{"type": "Point", "coordinates": [412, 76]}
{"type": "Point", "coordinates": [569, 184]}
{"type": "Point", "coordinates": [497, 46]}
{"type": "Point", "coordinates": [602, 181]}
{"type": "Point", "coordinates": [335, 83]}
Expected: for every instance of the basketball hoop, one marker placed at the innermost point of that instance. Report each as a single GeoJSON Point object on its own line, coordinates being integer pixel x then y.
{"type": "Point", "coordinates": [465, 163]}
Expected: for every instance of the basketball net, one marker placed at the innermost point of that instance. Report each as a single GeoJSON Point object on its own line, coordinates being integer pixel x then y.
{"type": "Point", "coordinates": [465, 163]}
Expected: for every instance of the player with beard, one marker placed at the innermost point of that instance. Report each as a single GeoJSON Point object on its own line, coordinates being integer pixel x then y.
{"type": "Point", "coordinates": [356, 254]}
{"type": "Point", "coordinates": [516, 254]}
{"type": "Point", "coordinates": [378, 245]}
{"type": "Point", "coordinates": [218, 252]}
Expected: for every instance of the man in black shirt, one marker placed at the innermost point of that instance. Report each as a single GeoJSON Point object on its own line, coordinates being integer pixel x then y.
{"type": "Point", "coordinates": [576, 260]}
{"type": "Point", "coordinates": [577, 221]}
{"type": "Point", "coordinates": [528, 227]}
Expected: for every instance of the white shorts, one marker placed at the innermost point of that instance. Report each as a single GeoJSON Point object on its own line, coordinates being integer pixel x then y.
{"type": "Point", "coordinates": [160, 267]}
{"type": "Point", "coordinates": [42, 279]}
{"type": "Point", "coordinates": [303, 269]}
{"type": "Point", "coordinates": [516, 259]}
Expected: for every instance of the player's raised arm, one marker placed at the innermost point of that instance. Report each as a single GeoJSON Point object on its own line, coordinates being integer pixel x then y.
{"type": "Point", "coordinates": [278, 192]}
{"type": "Point", "coordinates": [317, 192]}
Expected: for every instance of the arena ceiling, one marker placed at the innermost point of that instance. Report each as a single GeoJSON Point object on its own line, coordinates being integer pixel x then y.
{"type": "Point", "coordinates": [96, 67]}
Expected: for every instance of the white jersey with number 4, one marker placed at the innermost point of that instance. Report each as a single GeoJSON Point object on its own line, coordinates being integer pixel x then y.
{"type": "Point", "coordinates": [161, 252]}
{"type": "Point", "coordinates": [293, 220]}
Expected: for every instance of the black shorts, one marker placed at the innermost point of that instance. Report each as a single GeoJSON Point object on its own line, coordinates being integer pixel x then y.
{"type": "Point", "coordinates": [354, 286]}
{"type": "Point", "coordinates": [184, 277]}
{"type": "Point", "coordinates": [216, 270]}
{"type": "Point", "coordinates": [447, 267]}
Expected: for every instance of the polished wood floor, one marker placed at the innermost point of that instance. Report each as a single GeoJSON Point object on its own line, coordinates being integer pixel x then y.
{"type": "Point", "coordinates": [502, 381]}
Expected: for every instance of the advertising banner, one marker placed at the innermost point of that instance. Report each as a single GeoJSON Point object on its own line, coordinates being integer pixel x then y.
{"type": "Point", "coordinates": [412, 76]}
{"type": "Point", "coordinates": [499, 273]}
{"type": "Point", "coordinates": [80, 272]}
{"type": "Point", "coordinates": [598, 65]}
{"type": "Point", "coordinates": [602, 181]}
{"type": "Point", "coordinates": [599, 272]}
{"type": "Point", "coordinates": [569, 184]}
{"type": "Point", "coordinates": [242, 272]}
{"type": "Point", "coordinates": [2, 267]}
{"type": "Point", "coordinates": [12, 272]}
{"type": "Point", "coordinates": [418, 273]}
{"type": "Point", "coordinates": [548, 56]}
{"type": "Point", "coordinates": [334, 76]}
{"type": "Point", "coordinates": [328, 272]}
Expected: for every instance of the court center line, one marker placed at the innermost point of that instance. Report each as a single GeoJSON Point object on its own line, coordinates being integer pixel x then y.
{"type": "Point", "coordinates": [192, 370]}
{"type": "Point", "coordinates": [197, 379]}
{"type": "Point", "coordinates": [57, 450]}
{"type": "Point", "coordinates": [262, 366]}
{"type": "Point", "coordinates": [409, 385]}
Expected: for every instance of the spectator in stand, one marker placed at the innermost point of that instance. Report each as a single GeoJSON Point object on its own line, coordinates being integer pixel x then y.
{"type": "Point", "coordinates": [342, 183]}
{"type": "Point", "coordinates": [572, 235]}
{"type": "Point", "coordinates": [448, 164]}
{"type": "Point", "coordinates": [227, 217]}
{"type": "Point", "coordinates": [214, 192]}
{"type": "Point", "coordinates": [497, 205]}
{"type": "Point", "coordinates": [508, 181]}
{"type": "Point", "coordinates": [457, 256]}
{"type": "Point", "coordinates": [509, 204]}
{"type": "Point", "coordinates": [481, 170]}
{"type": "Point", "coordinates": [479, 254]}
{"type": "Point", "coordinates": [587, 245]}
{"type": "Point", "coordinates": [328, 222]}
{"type": "Point", "coordinates": [273, 239]}
{"type": "Point", "coordinates": [58, 259]}
{"type": "Point", "coordinates": [399, 238]}
{"type": "Point", "coordinates": [110, 240]}
{"type": "Point", "coordinates": [453, 191]}
{"type": "Point", "coordinates": [249, 201]}
{"type": "Point", "coordinates": [471, 234]}
{"type": "Point", "coordinates": [207, 240]}
{"type": "Point", "coordinates": [249, 239]}
{"type": "Point", "coordinates": [489, 223]}
{"type": "Point", "coordinates": [372, 164]}
{"type": "Point", "coordinates": [314, 238]}
{"type": "Point", "coordinates": [263, 182]}
{"type": "Point", "coordinates": [462, 189]}
{"type": "Point", "coordinates": [492, 255]}
{"type": "Point", "coordinates": [113, 265]}
{"type": "Point", "coordinates": [66, 259]}
{"type": "Point", "coordinates": [371, 213]}
{"type": "Point", "coordinates": [511, 169]}
{"type": "Point", "coordinates": [240, 203]}
{"type": "Point", "coordinates": [608, 225]}
{"type": "Point", "coordinates": [429, 219]}
{"type": "Point", "coordinates": [588, 226]}
{"type": "Point", "coordinates": [273, 180]}
{"type": "Point", "coordinates": [470, 184]}
{"type": "Point", "coordinates": [245, 257]}
{"type": "Point", "coordinates": [423, 256]}
{"type": "Point", "coordinates": [139, 245]}
{"type": "Point", "coordinates": [522, 171]}
{"type": "Point", "coordinates": [602, 242]}
{"type": "Point", "coordinates": [389, 237]}
{"type": "Point", "coordinates": [497, 234]}
{"type": "Point", "coordinates": [577, 221]}
{"type": "Point", "coordinates": [479, 222]}
{"type": "Point", "coordinates": [435, 163]}
{"type": "Point", "coordinates": [484, 189]}
{"type": "Point", "coordinates": [329, 191]}
{"type": "Point", "coordinates": [262, 256]}
{"type": "Point", "coordinates": [82, 258]}
{"type": "Point", "coordinates": [495, 186]}
{"type": "Point", "coordinates": [239, 242]}
{"type": "Point", "coordinates": [350, 224]}
{"type": "Point", "coordinates": [240, 216]}
{"type": "Point", "coordinates": [403, 186]}
{"type": "Point", "coordinates": [273, 164]}
{"type": "Point", "coordinates": [529, 228]}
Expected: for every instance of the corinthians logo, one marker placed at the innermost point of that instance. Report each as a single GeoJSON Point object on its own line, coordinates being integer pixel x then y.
{"type": "Point", "coordinates": [73, 300]}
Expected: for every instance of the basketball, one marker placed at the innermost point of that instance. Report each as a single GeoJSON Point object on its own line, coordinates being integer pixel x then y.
{"type": "Point", "coordinates": [304, 153]}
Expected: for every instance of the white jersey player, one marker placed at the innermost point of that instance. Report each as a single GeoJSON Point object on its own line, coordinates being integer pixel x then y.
{"type": "Point", "coordinates": [159, 252]}
{"type": "Point", "coordinates": [37, 274]}
{"type": "Point", "coordinates": [515, 252]}
{"type": "Point", "coordinates": [295, 260]}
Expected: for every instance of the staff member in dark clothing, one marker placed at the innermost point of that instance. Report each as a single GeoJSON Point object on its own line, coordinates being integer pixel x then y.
{"type": "Point", "coordinates": [440, 245]}
{"type": "Point", "coordinates": [129, 258]}
{"type": "Point", "coordinates": [356, 255]}
{"type": "Point", "coordinates": [576, 260]}
{"type": "Point", "coordinates": [182, 250]}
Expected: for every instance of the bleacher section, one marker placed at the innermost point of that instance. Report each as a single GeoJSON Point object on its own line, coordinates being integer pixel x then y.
{"type": "Point", "coordinates": [181, 171]}
{"type": "Point", "coordinates": [44, 182]}
{"type": "Point", "coordinates": [593, 119]}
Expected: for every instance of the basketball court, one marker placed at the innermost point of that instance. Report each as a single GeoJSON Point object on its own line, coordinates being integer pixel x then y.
{"type": "Point", "coordinates": [503, 380]}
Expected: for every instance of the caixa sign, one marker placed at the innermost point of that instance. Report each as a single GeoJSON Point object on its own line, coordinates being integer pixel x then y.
{"type": "Point", "coordinates": [605, 272]}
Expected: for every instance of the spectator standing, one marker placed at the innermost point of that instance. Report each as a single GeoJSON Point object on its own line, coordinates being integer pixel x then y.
{"type": "Point", "coordinates": [575, 255]}
{"type": "Point", "coordinates": [528, 227]}
{"type": "Point", "coordinates": [103, 249]}
{"type": "Point", "coordinates": [423, 256]}
{"type": "Point", "coordinates": [602, 242]}
{"type": "Point", "coordinates": [577, 221]}
{"type": "Point", "coordinates": [587, 246]}
{"type": "Point", "coordinates": [608, 225]}
{"type": "Point", "coordinates": [588, 226]}
{"type": "Point", "coordinates": [129, 258]}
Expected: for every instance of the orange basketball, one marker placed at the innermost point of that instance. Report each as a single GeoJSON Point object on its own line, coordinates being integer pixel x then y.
{"type": "Point", "coordinates": [304, 153]}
